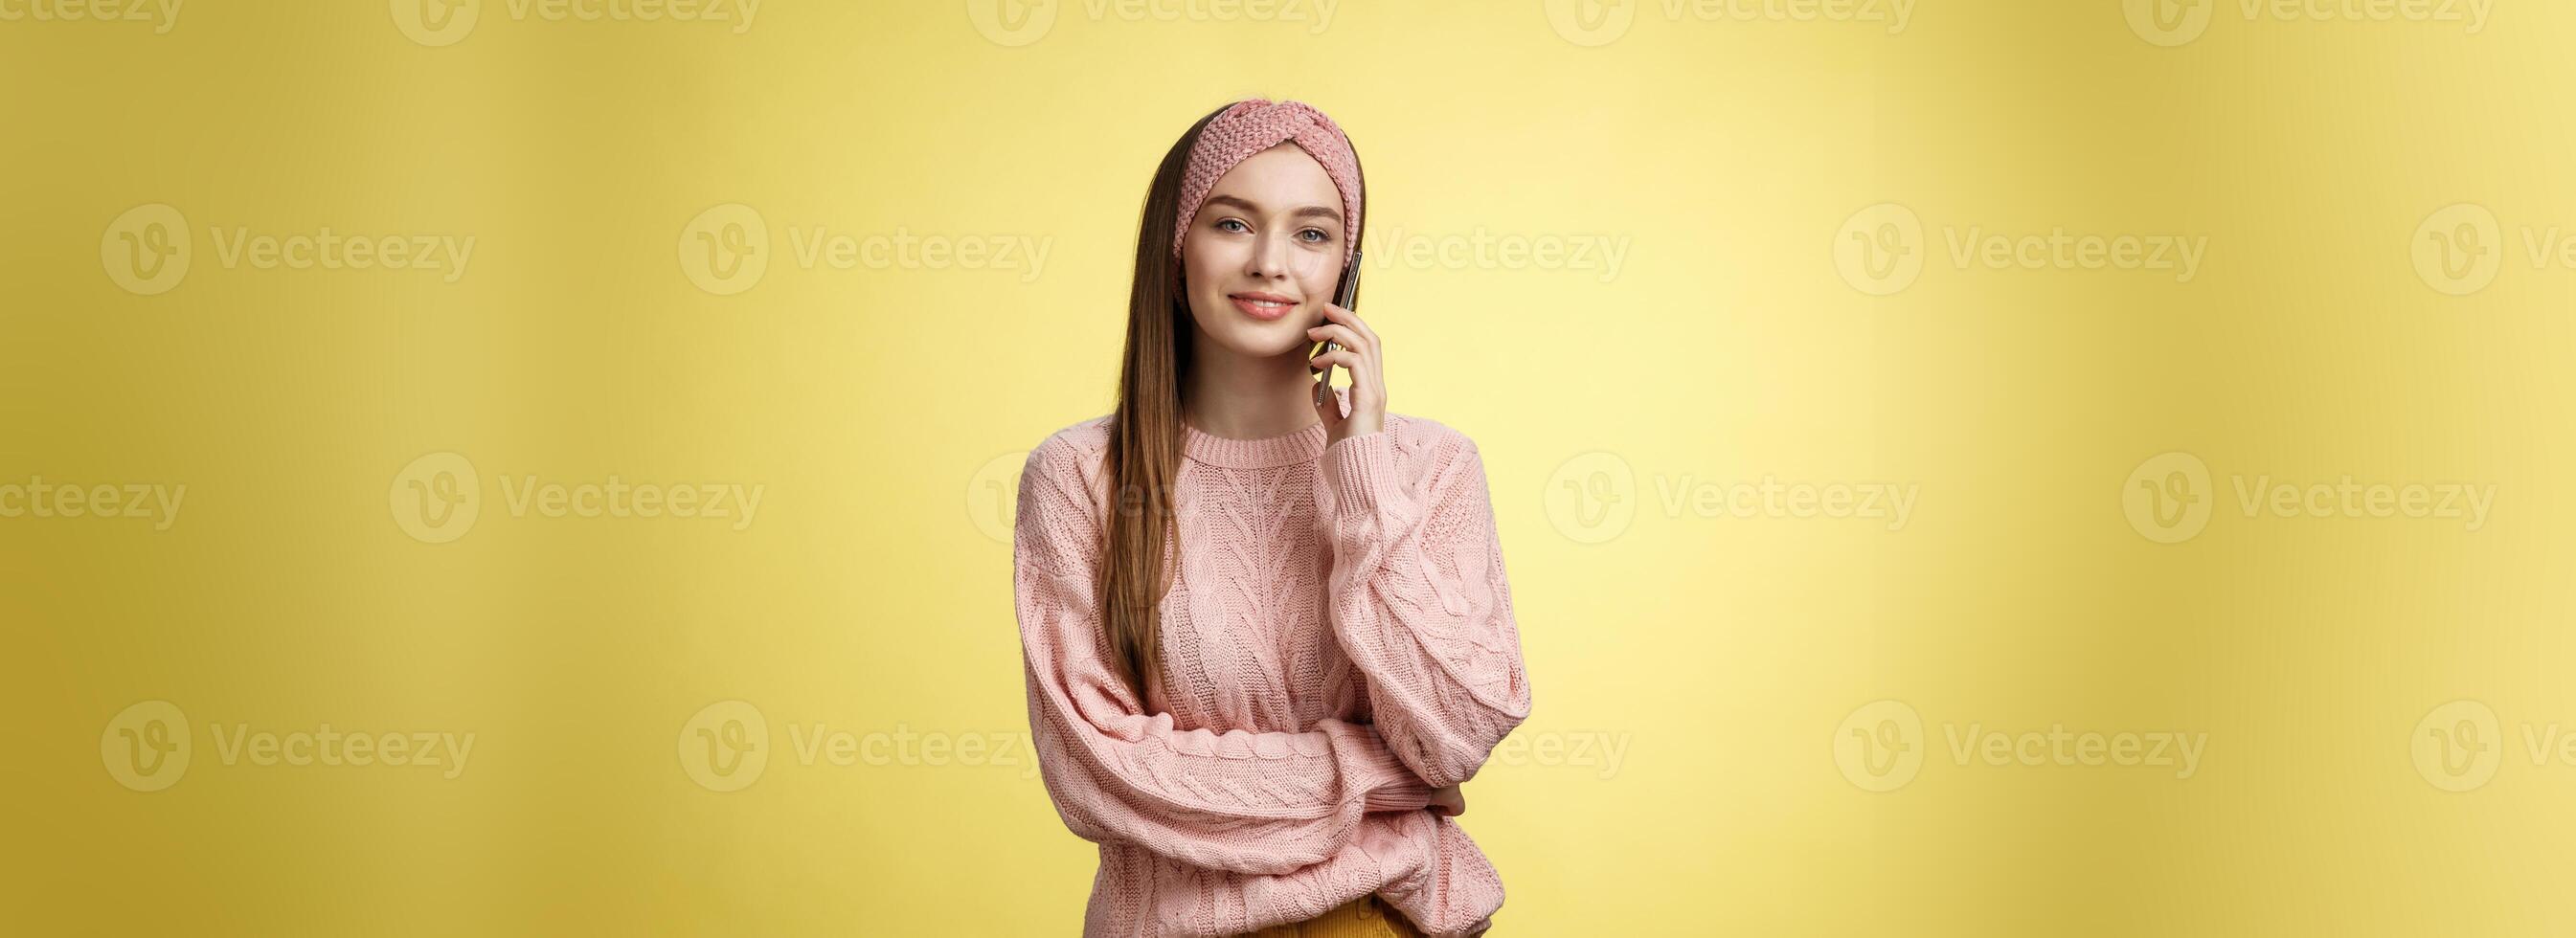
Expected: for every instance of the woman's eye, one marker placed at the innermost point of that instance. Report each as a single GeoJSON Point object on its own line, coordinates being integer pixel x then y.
{"type": "Point", "coordinates": [1319, 235]}
{"type": "Point", "coordinates": [1222, 223]}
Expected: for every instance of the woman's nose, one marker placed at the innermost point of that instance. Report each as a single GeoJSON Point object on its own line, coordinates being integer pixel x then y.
{"type": "Point", "coordinates": [1269, 257]}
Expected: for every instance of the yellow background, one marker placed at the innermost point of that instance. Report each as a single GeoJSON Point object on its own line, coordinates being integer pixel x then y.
{"type": "Point", "coordinates": [882, 409]}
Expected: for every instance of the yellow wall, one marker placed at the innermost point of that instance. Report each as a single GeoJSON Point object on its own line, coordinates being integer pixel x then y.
{"type": "Point", "coordinates": [1721, 245]}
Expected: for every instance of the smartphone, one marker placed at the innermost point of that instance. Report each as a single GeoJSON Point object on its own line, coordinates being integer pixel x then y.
{"type": "Point", "coordinates": [1346, 296]}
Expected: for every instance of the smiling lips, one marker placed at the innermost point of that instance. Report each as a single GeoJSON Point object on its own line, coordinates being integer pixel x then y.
{"type": "Point", "coordinates": [1267, 307]}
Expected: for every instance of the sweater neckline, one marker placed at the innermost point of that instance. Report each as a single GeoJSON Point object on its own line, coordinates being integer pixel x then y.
{"type": "Point", "coordinates": [1284, 449]}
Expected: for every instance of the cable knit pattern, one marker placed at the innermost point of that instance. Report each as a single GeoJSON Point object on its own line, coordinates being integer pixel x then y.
{"type": "Point", "coordinates": [1339, 640]}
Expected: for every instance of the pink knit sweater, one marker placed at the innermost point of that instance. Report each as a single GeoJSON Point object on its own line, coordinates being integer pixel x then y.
{"type": "Point", "coordinates": [1338, 641]}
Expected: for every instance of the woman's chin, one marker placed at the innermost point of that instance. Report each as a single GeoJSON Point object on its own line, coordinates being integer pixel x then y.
{"type": "Point", "coordinates": [1264, 340]}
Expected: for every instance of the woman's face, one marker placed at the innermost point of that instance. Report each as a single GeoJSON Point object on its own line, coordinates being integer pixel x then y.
{"type": "Point", "coordinates": [1264, 253]}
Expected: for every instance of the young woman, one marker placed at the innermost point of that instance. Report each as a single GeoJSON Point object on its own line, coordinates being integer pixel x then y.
{"type": "Point", "coordinates": [1265, 624]}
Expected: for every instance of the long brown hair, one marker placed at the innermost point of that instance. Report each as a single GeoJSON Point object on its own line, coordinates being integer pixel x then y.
{"type": "Point", "coordinates": [1145, 430]}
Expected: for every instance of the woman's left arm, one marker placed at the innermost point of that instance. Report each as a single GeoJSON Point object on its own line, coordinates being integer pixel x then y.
{"type": "Point", "coordinates": [1419, 600]}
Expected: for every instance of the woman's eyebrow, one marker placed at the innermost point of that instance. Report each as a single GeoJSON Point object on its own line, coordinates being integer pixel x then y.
{"type": "Point", "coordinates": [1325, 211]}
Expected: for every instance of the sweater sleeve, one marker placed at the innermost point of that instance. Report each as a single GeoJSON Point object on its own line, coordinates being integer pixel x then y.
{"type": "Point", "coordinates": [1419, 599]}
{"type": "Point", "coordinates": [1240, 801]}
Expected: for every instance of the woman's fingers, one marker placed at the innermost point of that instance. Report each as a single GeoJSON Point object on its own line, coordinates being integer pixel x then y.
{"type": "Point", "coordinates": [1345, 317]}
{"type": "Point", "coordinates": [1448, 800]}
{"type": "Point", "coordinates": [1343, 357]}
{"type": "Point", "coordinates": [1336, 332]}
{"type": "Point", "coordinates": [1360, 353]}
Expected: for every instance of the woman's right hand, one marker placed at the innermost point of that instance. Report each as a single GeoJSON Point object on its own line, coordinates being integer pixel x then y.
{"type": "Point", "coordinates": [1448, 801]}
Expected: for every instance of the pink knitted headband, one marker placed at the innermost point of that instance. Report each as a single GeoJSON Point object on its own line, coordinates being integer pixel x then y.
{"type": "Point", "coordinates": [1255, 124]}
